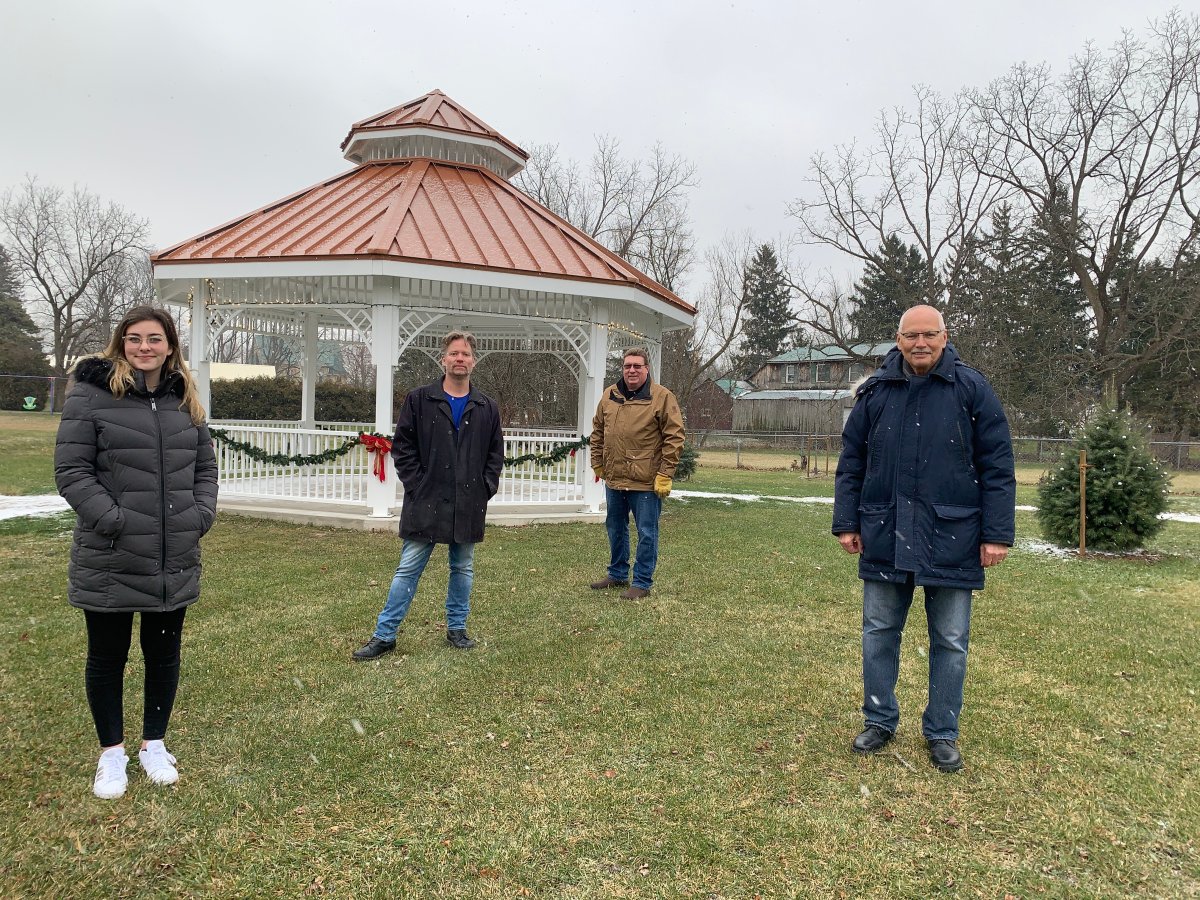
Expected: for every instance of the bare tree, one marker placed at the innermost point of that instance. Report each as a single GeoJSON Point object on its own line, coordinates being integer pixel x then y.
{"type": "Point", "coordinates": [1106, 159]}
{"type": "Point", "coordinates": [823, 311]}
{"type": "Point", "coordinates": [356, 360]}
{"type": "Point", "coordinates": [117, 288]}
{"type": "Point", "coordinates": [280, 351]}
{"type": "Point", "coordinates": [689, 355]}
{"type": "Point", "coordinates": [70, 250]}
{"type": "Point", "coordinates": [917, 182]}
{"type": "Point", "coordinates": [231, 346]}
{"type": "Point", "coordinates": [636, 208]}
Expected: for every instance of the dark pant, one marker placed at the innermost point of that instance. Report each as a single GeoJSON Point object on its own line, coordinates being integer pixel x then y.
{"type": "Point", "coordinates": [645, 506]}
{"type": "Point", "coordinates": [109, 634]}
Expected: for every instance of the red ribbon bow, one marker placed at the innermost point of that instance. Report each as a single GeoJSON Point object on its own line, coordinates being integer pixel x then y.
{"type": "Point", "coordinates": [381, 447]}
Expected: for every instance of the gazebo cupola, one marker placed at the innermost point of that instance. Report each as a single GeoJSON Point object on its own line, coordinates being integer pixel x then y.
{"type": "Point", "coordinates": [434, 127]}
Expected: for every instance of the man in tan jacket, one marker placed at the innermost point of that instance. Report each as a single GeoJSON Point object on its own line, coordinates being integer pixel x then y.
{"type": "Point", "coordinates": [637, 437]}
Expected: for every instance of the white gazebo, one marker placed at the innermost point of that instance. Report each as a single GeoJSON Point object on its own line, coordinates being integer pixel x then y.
{"type": "Point", "coordinates": [423, 235]}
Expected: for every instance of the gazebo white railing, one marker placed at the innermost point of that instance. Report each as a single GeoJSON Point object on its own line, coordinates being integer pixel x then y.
{"type": "Point", "coordinates": [344, 481]}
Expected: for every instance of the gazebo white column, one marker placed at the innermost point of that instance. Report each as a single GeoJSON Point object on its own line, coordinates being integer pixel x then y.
{"type": "Point", "coordinates": [591, 384]}
{"type": "Point", "coordinates": [654, 348]}
{"type": "Point", "coordinates": [200, 365]}
{"type": "Point", "coordinates": [385, 350]}
{"type": "Point", "coordinates": [308, 389]}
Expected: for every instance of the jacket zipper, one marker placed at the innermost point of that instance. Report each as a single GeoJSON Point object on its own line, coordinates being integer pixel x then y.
{"type": "Point", "coordinates": [162, 504]}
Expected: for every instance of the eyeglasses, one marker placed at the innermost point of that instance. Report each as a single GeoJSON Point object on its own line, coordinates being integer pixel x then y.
{"type": "Point", "coordinates": [913, 335]}
{"type": "Point", "coordinates": [135, 340]}
{"type": "Point", "coordinates": [632, 366]}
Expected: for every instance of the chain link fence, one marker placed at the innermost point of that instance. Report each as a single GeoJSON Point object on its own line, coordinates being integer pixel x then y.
{"type": "Point", "coordinates": [1181, 456]}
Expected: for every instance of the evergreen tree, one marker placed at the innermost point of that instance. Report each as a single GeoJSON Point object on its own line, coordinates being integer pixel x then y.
{"type": "Point", "coordinates": [770, 320]}
{"type": "Point", "coordinates": [20, 345]}
{"type": "Point", "coordinates": [1015, 312]}
{"type": "Point", "coordinates": [895, 279]}
{"type": "Point", "coordinates": [1126, 489]}
{"type": "Point", "coordinates": [1166, 390]}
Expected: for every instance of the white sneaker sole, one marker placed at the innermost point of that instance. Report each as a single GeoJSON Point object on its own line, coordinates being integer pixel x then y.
{"type": "Point", "coordinates": [109, 791]}
{"type": "Point", "coordinates": [161, 777]}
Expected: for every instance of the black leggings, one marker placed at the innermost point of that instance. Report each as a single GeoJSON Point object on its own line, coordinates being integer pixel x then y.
{"type": "Point", "coordinates": [109, 634]}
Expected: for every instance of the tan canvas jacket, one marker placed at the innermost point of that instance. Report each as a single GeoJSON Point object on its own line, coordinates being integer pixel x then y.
{"type": "Point", "coordinates": [637, 438]}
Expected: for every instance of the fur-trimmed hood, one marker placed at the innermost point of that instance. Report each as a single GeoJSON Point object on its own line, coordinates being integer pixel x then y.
{"type": "Point", "coordinates": [97, 370]}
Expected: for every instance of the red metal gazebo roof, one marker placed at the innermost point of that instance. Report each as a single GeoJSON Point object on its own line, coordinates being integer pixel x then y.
{"type": "Point", "coordinates": [417, 210]}
{"type": "Point", "coordinates": [420, 205]}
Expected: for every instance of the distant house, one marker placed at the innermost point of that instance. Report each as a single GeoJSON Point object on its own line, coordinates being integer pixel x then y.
{"type": "Point", "coordinates": [710, 406]}
{"type": "Point", "coordinates": [818, 368]}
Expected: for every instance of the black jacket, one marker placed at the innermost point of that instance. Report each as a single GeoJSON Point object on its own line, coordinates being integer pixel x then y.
{"type": "Point", "coordinates": [448, 475]}
{"type": "Point", "coordinates": [926, 474]}
{"type": "Point", "coordinates": [142, 479]}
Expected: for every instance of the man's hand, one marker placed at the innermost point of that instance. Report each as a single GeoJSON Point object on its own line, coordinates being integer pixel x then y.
{"type": "Point", "coordinates": [599, 470]}
{"type": "Point", "coordinates": [851, 542]}
{"type": "Point", "coordinates": [662, 486]}
{"type": "Point", "coordinates": [992, 554]}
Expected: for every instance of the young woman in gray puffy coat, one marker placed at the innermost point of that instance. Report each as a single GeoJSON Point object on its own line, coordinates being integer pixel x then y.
{"type": "Point", "coordinates": [135, 460]}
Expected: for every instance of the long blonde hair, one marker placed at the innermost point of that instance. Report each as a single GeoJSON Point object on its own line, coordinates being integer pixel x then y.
{"type": "Point", "coordinates": [121, 378]}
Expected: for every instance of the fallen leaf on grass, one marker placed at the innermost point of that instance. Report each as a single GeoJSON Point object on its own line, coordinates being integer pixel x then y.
{"type": "Point", "coordinates": [610, 773]}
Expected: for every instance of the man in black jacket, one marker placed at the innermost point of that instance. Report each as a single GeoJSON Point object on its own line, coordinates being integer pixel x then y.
{"type": "Point", "coordinates": [448, 452]}
{"type": "Point", "coordinates": [925, 495]}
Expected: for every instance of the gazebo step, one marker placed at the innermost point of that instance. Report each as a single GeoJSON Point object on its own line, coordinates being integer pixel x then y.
{"type": "Point", "coordinates": [355, 518]}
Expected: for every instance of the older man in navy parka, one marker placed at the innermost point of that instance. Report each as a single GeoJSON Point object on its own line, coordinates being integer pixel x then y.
{"type": "Point", "coordinates": [926, 495]}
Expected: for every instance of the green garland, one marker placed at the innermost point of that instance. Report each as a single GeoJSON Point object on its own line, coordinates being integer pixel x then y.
{"type": "Point", "coordinates": [559, 453]}
{"type": "Point", "coordinates": [311, 459]}
{"type": "Point", "coordinates": [283, 459]}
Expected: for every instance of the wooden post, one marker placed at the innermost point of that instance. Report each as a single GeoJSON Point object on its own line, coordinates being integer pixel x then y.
{"type": "Point", "coordinates": [1083, 467]}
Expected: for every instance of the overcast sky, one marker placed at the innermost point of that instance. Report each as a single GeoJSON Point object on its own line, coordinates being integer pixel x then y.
{"type": "Point", "coordinates": [193, 114]}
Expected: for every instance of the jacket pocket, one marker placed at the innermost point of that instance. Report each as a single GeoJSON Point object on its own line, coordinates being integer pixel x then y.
{"type": "Point", "coordinates": [955, 540]}
{"type": "Point", "coordinates": [877, 528]}
{"type": "Point", "coordinates": [642, 466]}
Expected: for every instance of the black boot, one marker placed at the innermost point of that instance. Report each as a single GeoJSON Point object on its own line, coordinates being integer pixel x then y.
{"type": "Point", "coordinates": [374, 648]}
{"type": "Point", "coordinates": [945, 756]}
{"type": "Point", "coordinates": [458, 638]}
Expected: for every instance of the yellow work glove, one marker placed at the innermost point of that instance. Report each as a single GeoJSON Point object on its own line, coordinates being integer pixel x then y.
{"type": "Point", "coordinates": [662, 486]}
{"type": "Point", "coordinates": [599, 470]}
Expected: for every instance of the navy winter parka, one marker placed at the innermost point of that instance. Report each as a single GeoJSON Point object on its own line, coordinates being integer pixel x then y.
{"type": "Point", "coordinates": [448, 475]}
{"type": "Point", "coordinates": [926, 474]}
{"type": "Point", "coordinates": [142, 479]}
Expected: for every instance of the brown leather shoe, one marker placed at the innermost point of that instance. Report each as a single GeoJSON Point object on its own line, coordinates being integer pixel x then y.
{"type": "Point", "coordinates": [634, 593]}
{"type": "Point", "coordinates": [606, 582]}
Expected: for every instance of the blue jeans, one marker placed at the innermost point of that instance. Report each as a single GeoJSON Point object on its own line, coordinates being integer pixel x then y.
{"type": "Point", "coordinates": [885, 609]}
{"type": "Point", "coordinates": [645, 507]}
{"type": "Point", "coordinates": [413, 558]}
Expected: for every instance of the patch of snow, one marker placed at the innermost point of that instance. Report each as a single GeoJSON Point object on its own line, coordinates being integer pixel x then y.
{"type": "Point", "coordinates": [40, 505]}
{"type": "Point", "coordinates": [750, 498]}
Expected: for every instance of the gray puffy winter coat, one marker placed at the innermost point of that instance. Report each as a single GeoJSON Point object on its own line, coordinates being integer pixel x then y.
{"type": "Point", "coordinates": [142, 478]}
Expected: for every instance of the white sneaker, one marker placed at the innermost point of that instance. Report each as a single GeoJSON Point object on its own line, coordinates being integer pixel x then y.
{"type": "Point", "coordinates": [158, 764]}
{"type": "Point", "coordinates": [110, 774]}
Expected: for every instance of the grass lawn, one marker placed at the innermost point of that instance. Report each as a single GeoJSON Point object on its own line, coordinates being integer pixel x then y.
{"type": "Point", "coordinates": [693, 744]}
